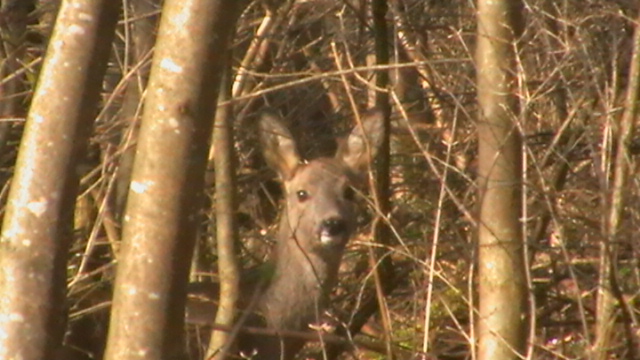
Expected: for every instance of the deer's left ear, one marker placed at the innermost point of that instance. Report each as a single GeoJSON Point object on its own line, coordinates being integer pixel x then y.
{"type": "Point", "coordinates": [362, 145]}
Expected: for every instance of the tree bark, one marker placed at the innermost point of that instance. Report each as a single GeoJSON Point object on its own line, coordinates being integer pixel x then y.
{"type": "Point", "coordinates": [225, 215]}
{"type": "Point", "coordinates": [12, 48]}
{"type": "Point", "coordinates": [161, 215]}
{"type": "Point", "coordinates": [609, 294]}
{"type": "Point", "coordinates": [140, 45]}
{"type": "Point", "coordinates": [38, 222]}
{"type": "Point", "coordinates": [380, 262]}
{"type": "Point", "coordinates": [501, 276]}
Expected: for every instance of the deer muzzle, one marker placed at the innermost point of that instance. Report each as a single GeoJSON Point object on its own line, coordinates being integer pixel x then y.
{"type": "Point", "coordinates": [333, 230]}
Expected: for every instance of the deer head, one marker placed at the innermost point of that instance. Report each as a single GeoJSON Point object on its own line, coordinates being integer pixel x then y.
{"type": "Point", "coordinates": [318, 219]}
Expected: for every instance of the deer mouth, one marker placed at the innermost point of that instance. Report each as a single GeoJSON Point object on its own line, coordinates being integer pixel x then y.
{"type": "Point", "coordinates": [333, 231]}
{"type": "Point", "coordinates": [328, 239]}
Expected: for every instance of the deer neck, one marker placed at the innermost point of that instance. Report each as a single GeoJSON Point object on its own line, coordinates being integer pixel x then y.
{"type": "Point", "coordinates": [301, 282]}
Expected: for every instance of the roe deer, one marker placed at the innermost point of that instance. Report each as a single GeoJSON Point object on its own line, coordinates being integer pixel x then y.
{"type": "Point", "coordinates": [317, 221]}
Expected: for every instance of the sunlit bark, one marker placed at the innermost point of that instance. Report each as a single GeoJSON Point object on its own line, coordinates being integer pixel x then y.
{"type": "Point", "coordinates": [609, 291]}
{"type": "Point", "coordinates": [38, 222]}
{"type": "Point", "coordinates": [501, 280]}
{"type": "Point", "coordinates": [162, 208]}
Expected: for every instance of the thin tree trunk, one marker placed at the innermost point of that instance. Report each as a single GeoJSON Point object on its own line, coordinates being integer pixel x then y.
{"type": "Point", "coordinates": [37, 225]}
{"type": "Point", "coordinates": [379, 261]}
{"type": "Point", "coordinates": [161, 216]}
{"type": "Point", "coordinates": [225, 208]}
{"type": "Point", "coordinates": [501, 276]}
{"type": "Point", "coordinates": [11, 50]}
{"type": "Point", "coordinates": [140, 45]}
{"type": "Point", "coordinates": [609, 294]}
{"type": "Point", "coordinates": [381, 264]}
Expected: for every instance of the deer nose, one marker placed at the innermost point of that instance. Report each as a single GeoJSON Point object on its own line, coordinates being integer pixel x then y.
{"type": "Point", "coordinates": [334, 226]}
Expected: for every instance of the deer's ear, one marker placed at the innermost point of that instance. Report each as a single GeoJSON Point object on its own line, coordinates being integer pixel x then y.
{"type": "Point", "coordinates": [364, 141]}
{"type": "Point", "coordinates": [278, 146]}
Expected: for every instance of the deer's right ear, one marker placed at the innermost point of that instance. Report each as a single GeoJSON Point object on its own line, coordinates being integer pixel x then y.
{"type": "Point", "coordinates": [278, 146]}
{"type": "Point", "coordinates": [362, 145]}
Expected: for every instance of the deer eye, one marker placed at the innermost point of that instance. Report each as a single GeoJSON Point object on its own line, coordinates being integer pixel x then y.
{"type": "Point", "coordinates": [349, 193]}
{"type": "Point", "coordinates": [303, 195]}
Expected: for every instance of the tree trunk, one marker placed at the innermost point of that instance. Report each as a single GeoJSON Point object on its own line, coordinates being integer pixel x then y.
{"type": "Point", "coordinates": [378, 260]}
{"type": "Point", "coordinates": [225, 215]}
{"type": "Point", "coordinates": [609, 292]}
{"type": "Point", "coordinates": [38, 222]}
{"type": "Point", "coordinates": [11, 52]}
{"type": "Point", "coordinates": [501, 276]}
{"type": "Point", "coordinates": [161, 215]}
{"type": "Point", "coordinates": [140, 44]}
